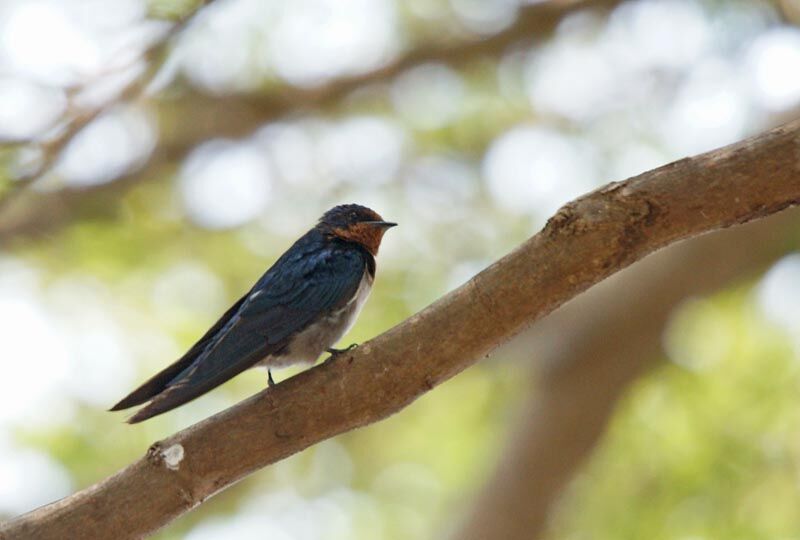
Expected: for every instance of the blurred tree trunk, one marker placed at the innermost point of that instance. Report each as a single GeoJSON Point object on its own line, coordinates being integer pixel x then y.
{"type": "Point", "coordinates": [586, 241]}
{"type": "Point", "coordinates": [588, 353]}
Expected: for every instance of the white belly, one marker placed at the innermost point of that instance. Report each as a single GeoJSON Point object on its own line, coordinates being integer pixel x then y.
{"type": "Point", "coordinates": [307, 345]}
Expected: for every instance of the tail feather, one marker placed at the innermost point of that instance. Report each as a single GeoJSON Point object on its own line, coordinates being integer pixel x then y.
{"type": "Point", "coordinates": [217, 364]}
{"type": "Point", "coordinates": [164, 402]}
{"type": "Point", "coordinates": [155, 384]}
{"type": "Point", "coordinates": [177, 394]}
{"type": "Point", "coordinates": [159, 382]}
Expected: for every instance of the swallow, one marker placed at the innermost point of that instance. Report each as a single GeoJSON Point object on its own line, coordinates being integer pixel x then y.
{"type": "Point", "coordinates": [298, 309]}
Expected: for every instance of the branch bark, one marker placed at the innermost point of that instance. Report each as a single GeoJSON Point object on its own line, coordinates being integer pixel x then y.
{"type": "Point", "coordinates": [591, 349]}
{"type": "Point", "coordinates": [585, 242]}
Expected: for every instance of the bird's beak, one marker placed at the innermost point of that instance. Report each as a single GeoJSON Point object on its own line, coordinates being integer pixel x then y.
{"type": "Point", "coordinates": [381, 224]}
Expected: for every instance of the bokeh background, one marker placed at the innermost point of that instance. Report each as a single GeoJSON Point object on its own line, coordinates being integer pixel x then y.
{"type": "Point", "coordinates": [153, 164]}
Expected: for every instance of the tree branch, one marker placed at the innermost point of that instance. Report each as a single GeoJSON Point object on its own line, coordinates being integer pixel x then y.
{"type": "Point", "coordinates": [591, 365]}
{"type": "Point", "coordinates": [585, 242]}
{"type": "Point", "coordinates": [75, 120]}
{"type": "Point", "coordinates": [32, 213]}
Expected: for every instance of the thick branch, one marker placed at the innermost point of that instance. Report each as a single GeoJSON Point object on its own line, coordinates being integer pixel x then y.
{"type": "Point", "coordinates": [592, 349]}
{"type": "Point", "coordinates": [585, 242]}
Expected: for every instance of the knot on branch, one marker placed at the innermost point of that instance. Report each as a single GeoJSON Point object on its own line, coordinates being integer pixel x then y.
{"type": "Point", "coordinates": [613, 206]}
{"type": "Point", "coordinates": [170, 457]}
{"type": "Point", "coordinates": [565, 221]}
{"type": "Point", "coordinates": [620, 215]}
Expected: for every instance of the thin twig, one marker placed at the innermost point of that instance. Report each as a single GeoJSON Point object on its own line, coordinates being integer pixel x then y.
{"type": "Point", "coordinates": [51, 149]}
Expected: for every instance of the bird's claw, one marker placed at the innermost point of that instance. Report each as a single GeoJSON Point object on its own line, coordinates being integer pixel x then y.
{"type": "Point", "coordinates": [270, 380]}
{"type": "Point", "coordinates": [334, 353]}
{"type": "Point", "coordinates": [340, 351]}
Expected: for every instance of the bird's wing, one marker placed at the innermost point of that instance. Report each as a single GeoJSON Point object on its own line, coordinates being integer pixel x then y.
{"type": "Point", "coordinates": [285, 301]}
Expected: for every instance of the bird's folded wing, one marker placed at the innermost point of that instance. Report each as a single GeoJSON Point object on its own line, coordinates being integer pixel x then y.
{"type": "Point", "coordinates": [283, 303]}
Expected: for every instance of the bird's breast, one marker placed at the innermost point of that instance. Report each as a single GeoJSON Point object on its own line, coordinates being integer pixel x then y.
{"type": "Point", "coordinates": [308, 344]}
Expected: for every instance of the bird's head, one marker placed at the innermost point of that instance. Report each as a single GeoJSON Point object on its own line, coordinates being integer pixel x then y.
{"type": "Point", "coordinates": [355, 223]}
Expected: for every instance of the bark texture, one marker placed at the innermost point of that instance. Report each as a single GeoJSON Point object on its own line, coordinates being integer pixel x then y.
{"type": "Point", "coordinates": [589, 351]}
{"type": "Point", "coordinates": [585, 242]}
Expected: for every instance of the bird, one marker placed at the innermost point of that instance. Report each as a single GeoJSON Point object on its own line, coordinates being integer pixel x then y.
{"type": "Point", "coordinates": [302, 305]}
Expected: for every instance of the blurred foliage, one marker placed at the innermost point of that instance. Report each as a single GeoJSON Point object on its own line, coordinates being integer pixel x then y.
{"type": "Point", "coordinates": [172, 9]}
{"type": "Point", "coordinates": [470, 160]}
{"type": "Point", "coordinates": [704, 447]}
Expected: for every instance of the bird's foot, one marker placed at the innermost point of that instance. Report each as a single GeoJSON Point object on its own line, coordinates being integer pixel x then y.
{"type": "Point", "coordinates": [340, 351]}
{"type": "Point", "coordinates": [270, 380]}
{"type": "Point", "coordinates": [334, 353]}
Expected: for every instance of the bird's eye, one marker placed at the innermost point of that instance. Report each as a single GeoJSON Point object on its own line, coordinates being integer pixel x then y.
{"type": "Point", "coordinates": [353, 215]}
